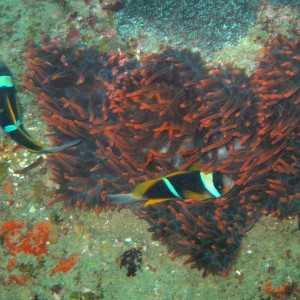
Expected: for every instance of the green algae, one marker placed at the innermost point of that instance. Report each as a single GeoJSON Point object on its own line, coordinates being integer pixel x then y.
{"type": "Point", "coordinates": [3, 171]}
{"type": "Point", "coordinates": [84, 296]}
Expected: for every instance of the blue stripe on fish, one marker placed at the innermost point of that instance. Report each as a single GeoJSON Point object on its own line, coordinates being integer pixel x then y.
{"type": "Point", "coordinates": [171, 187]}
{"type": "Point", "coordinates": [10, 128]}
{"type": "Point", "coordinates": [6, 81]}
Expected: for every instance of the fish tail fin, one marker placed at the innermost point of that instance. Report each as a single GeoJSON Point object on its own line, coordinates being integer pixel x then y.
{"type": "Point", "coordinates": [62, 147]}
{"type": "Point", "coordinates": [123, 199]}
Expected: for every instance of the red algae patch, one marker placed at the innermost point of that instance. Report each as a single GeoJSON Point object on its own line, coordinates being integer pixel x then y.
{"type": "Point", "coordinates": [21, 241]}
{"type": "Point", "coordinates": [32, 242]}
{"type": "Point", "coordinates": [17, 240]}
{"type": "Point", "coordinates": [282, 292]}
{"type": "Point", "coordinates": [12, 225]}
{"type": "Point", "coordinates": [8, 188]}
{"type": "Point", "coordinates": [66, 264]}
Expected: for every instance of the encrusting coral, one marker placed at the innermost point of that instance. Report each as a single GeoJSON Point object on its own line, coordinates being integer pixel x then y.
{"type": "Point", "coordinates": [139, 120]}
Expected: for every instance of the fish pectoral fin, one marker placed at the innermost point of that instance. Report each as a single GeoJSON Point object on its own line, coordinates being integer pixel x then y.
{"type": "Point", "coordinates": [225, 190]}
{"type": "Point", "coordinates": [155, 201]}
{"type": "Point", "coordinates": [187, 194]}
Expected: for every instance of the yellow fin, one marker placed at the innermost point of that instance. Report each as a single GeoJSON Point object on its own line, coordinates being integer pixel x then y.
{"type": "Point", "coordinates": [176, 173]}
{"type": "Point", "coordinates": [193, 168]}
{"type": "Point", "coordinates": [196, 196]}
{"type": "Point", "coordinates": [142, 188]}
{"type": "Point", "coordinates": [155, 201]}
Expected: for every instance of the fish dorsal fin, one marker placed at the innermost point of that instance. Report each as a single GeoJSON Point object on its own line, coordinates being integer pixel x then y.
{"type": "Point", "coordinates": [193, 168]}
{"type": "Point", "coordinates": [175, 174]}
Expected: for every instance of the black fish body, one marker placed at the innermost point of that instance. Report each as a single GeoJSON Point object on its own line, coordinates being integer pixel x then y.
{"type": "Point", "coordinates": [194, 185]}
{"type": "Point", "coordinates": [10, 118]}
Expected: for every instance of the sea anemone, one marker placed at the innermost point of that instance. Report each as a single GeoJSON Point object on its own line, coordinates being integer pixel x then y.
{"type": "Point", "coordinates": [210, 232]}
{"type": "Point", "coordinates": [129, 115]}
{"type": "Point", "coordinates": [248, 128]}
{"type": "Point", "coordinates": [70, 81]}
{"type": "Point", "coordinates": [140, 120]}
{"type": "Point", "coordinates": [276, 85]}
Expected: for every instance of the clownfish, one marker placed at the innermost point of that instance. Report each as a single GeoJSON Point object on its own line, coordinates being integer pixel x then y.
{"type": "Point", "coordinates": [10, 119]}
{"type": "Point", "coordinates": [194, 185]}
